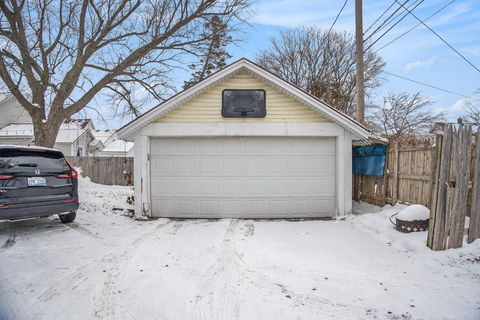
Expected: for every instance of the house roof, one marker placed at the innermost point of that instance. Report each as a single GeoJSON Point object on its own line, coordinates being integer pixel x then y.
{"type": "Point", "coordinates": [102, 135]}
{"type": "Point", "coordinates": [76, 123]}
{"type": "Point", "coordinates": [66, 134]}
{"type": "Point", "coordinates": [118, 146]}
{"type": "Point", "coordinates": [17, 130]}
{"type": "Point", "coordinates": [230, 70]}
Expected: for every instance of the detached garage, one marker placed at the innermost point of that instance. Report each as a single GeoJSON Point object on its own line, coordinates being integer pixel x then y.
{"type": "Point", "coordinates": [243, 143]}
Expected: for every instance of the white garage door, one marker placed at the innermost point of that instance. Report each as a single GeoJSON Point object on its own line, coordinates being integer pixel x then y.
{"type": "Point", "coordinates": [243, 177]}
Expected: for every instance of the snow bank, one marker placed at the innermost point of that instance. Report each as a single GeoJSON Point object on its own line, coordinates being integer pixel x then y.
{"type": "Point", "coordinates": [380, 222]}
{"type": "Point", "coordinates": [413, 213]}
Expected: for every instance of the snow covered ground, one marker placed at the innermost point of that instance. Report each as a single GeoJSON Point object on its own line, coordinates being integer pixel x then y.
{"type": "Point", "coordinates": [108, 266]}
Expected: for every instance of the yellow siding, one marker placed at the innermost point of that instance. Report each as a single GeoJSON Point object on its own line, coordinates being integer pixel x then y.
{"type": "Point", "coordinates": [207, 106]}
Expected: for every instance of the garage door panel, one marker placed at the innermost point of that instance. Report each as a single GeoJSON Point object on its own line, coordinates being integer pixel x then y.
{"type": "Point", "coordinates": [277, 165]}
{"type": "Point", "coordinates": [163, 186]}
{"type": "Point", "coordinates": [184, 166]}
{"type": "Point", "coordinates": [309, 166]}
{"type": "Point", "coordinates": [186, 187]}
{"type": "Point", "coordinates": [243, 177]}
{"type": "Point", "coordinates": [230, 165]}
{"type": "Point", "coordinates": [208, 186]}
{"type": "Point", "coordinates": [208, 165]}
{"type": "Point", "coordinates": [186, 207]}
{"type": "Point", "coordinates": [232, 187]}
{"type": "Point", "coordinates": [210, 206]}
{"type": "Point", "coordinates": [161, 166]}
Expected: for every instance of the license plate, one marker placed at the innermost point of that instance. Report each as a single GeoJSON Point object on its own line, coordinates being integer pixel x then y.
{"type": "Point", "coordinates": [37, 182]}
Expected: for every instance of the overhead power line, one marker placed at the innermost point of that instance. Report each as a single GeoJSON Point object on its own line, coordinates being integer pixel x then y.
{"type": "Point", "coordinates": [431, 86]}
{"type": "Point", "coordinates": [441, 38]}
{"type": "Point", "coordinates": [388, 30]}
{"type": "Point", "coordinates": [336, 18]}
{"type": "Point", "coordinates": [386, 21]}
{"type": "Point", "coordinates": [376, 20]}
{"type": "Point", "coordinates": [417, 25]}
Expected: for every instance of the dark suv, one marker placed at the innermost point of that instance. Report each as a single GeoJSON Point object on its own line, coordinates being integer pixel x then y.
{"type": "Point", "coordinates": [36, 182]}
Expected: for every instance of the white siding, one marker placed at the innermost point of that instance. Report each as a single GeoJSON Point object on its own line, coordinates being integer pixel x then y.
{"type": "Point", "coordinates": [207, 106]}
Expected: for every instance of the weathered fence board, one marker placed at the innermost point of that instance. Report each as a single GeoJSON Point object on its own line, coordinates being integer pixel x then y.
{"type": "Point", "coordinates": [462, 174]}
{"type": "Point", "coordinates": [409, 173]}
{"type": "Point", "coordinates": [439, 211]}
{"type": "Point", "coordinates": [436, 174]}
{"type": "Point", "coordinates": [456, 186]}
{"type": "Point", "coordinates": [474, 223]}
{"type": "Point", "coordinates": [105, 170]}
{"type": "Point", "coordinates": [369, 189]}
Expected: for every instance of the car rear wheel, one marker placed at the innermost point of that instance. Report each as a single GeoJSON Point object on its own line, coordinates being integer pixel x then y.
{"type": "Point", "coordinates": [67, 217]}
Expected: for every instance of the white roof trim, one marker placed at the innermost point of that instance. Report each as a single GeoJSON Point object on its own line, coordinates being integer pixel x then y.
{"type": "Point", "coordinates": [232, 69]}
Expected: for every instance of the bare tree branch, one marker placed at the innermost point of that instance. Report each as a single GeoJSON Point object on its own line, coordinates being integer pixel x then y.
{"type": "Point", "coordinates": [403, 116]}
{"type": "Point", "coordinates": [57, 56]}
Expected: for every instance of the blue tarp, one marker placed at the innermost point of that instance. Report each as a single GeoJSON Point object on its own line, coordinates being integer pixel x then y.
{"type": "Point", "coordinates": [369, 160]}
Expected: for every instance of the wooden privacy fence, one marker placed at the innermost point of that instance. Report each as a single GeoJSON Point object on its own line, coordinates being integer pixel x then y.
{"type": "Point", "coordinates": [442, 174]}
{"type": "Point", "coordinates": [456, 189]}
{"type": "Point", "coordinates": [105, 170]}
{"type": "Point", "coordinates": [407, 176]}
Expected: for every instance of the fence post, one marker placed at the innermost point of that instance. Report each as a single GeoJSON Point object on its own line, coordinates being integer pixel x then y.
{"type": "Point", "coordinates": [462, 174]}
{"type": "Point", "coordinates": [437, 156]}
{"type": "Point", "coordinates": [474, 225]}
{"type": "Point", "coordinates": [396, 157]}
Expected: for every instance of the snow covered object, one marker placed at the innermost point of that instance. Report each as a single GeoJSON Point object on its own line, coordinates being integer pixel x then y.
{"type": "Point", "coordinates": [413, 218]}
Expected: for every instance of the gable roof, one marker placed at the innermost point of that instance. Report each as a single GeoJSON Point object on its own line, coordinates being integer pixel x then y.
{"type": "Point", "coordinates": [118, 146]}
{"type": "Point", "coordinates": [227, 72]}
{"type": "Point", "coordinates": [66, 134]}
{"type": "Point", "coordinates": [103, 135]}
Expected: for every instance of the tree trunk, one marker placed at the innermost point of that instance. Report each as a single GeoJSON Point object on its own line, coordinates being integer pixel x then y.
{"type": "Point", "coordinates": [46, 132]}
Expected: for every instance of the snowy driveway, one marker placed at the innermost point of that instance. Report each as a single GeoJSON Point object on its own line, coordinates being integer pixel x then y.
{"type": "Point", "coordinates": [108, 266]}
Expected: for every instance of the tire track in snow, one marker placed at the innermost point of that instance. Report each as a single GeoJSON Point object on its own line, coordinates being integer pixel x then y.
{"type": "Point", "coordinates": [106, 304]}
{"type": "Point", "coordinates": [218, 296]}
{"type": "Point", "coordinates": [215, 297]}
{"type": "Point", "coordinates": [218, 293]}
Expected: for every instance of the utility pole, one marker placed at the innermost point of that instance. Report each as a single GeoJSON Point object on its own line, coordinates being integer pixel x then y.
{"type": "Point", "coordinates": [359, 62]}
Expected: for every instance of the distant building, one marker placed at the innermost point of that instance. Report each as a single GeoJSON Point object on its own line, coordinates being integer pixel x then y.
{"type": "Point", "coordinates": [118, 148]}
{"type": "Point", "coordinates": [101, 139]}
{"type": "Point", "coordinates": [12, 112]}
{"type": "Point", "coordinates": [73, 138]}
{"type": "Point", "coordinates": [76, 137]}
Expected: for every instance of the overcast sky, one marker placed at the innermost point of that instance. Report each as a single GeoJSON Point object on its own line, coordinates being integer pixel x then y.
{"type": "Point", "coordinates": [419, 55]}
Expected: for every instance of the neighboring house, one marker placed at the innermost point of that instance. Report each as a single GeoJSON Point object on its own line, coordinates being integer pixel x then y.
{"type": "Point", "coordinates": [101, 139]}
{"type": "Point", "coordinates": [243, 143]}
{"type": "Point", "coordinates": [12, 112]}
{"type": "Point", "coordinates": [73, 137]}
{"type": "Point", "coordinates": [117, 148]}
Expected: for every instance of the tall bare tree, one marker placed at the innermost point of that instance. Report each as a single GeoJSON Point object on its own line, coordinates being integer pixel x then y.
{"type": "Point", "coordinates": [215, 56]}
{"type": "Point", "coordinates": [321, 63]}
{"type": "Point", "coordinates": [402, 116]}
{"type": "Point", "coordinates": [57, 55]}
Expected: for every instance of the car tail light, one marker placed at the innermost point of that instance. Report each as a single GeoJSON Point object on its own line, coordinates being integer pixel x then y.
{"type": "Point", "coordinates": [5, 177]}
{"type": "Point", "coordinates": [3, 206]}
{"type": "Point", "coordinates": [69, 200]}
{"type": "Point", "coordinates": [72, 174]}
